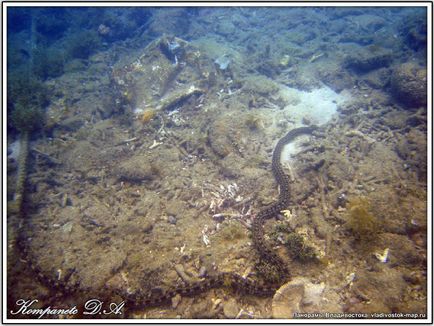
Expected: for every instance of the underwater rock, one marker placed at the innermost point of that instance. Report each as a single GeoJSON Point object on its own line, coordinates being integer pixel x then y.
{"type": "Point", "coordinates": [261, 85]}
{"type": "Point", "coordinates": [71, 124]}
{"type": "Point", "coordinates": [377, 79]}
{"type": "Point", "coordinates": [230, 308]}
{"type": "Point", "coordinates": [383, 290]}
{"type": "Point", "coordinates": [177, 98]}
{"type": "Point", "coordinates": [223, 135]}
{"type": "Point", "coordinates": [287, 300]}
{"type": "Point", "coordinates": [154, 79]}
{"type": "Point", "coordinates": [302, 296]}
{"type": "Point", "coordinates": [135, 170]}
{"type": "Point", "coordinates": [395, 120]}
{"type": "Point", "coordinates": [175, 208]}
{"type": "Point", "coordinates": [226, 28]}
{"type": "Point", "coordinates": [409, 85]}
{"type": "Point", "coordinates": [368, 59]}
{"type": "Point", "coordinates": [176, 300]}
{"type": "Point", "coordinates": [335, 78]}
{"type": "Point", "coordinates": [171, 219]}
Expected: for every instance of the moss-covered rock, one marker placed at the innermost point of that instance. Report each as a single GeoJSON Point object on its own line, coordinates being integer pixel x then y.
{"type": "Point", "coordinates": [298, 248]}
{"type": "Point", "coordinates": [369, 58]}
{"type": "Point", "coordinates": [409, 85]}
{"type": "Point", "coordinates": [259, 85]}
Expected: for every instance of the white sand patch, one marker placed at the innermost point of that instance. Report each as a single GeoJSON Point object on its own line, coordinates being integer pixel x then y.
{"type": "Point", "coordinates": [318, 107]}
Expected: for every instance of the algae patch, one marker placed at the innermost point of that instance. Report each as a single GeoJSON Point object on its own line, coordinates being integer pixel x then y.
{"type": "Point", "coordinates": [360, 221]}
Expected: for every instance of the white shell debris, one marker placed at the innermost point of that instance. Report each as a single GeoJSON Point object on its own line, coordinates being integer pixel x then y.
{"type": "Point", "coordinates": [232, 189]}
{"type": "Point", "coordinates": [244, 313]}
{"type": "Point", "coordinates": [383, 257]}
{"type": "Point", "coordinates": [287, 213]}
{"type": "Point", "coordinates": [350, 278]}
{"type": "Point", "coordinates": [155, 144]}
{"type": "Point", "coordinates": [205, 238]}
{"type": "Point", "coordinates": [216, 303]}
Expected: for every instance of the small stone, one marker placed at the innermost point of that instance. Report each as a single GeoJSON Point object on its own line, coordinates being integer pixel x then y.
{"type": "Point", "coordinates": [216, 303]}
{"type": "Point", "coordinates": [147, 227]}
{"type": "Point", "coordinates": [287, 300]}
{"type": "Point", "coordinates": [219, 218]}
{"type": "Point", "coordinates": [176, 300]}
{"type": "Point", "coordinates": [408, 84]}
{"type": "Point", "coordinates": [202, 271]}
{"type": "Point", "coordinates": [171, 219]}
{"type": "Point", "coordinates": [230, 308]}
{"type": "Point", "coordinates": [67, 227]}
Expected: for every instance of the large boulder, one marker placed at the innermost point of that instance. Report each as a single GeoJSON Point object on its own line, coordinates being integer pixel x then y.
{"type": "Point", "coordinates": [409, 85]}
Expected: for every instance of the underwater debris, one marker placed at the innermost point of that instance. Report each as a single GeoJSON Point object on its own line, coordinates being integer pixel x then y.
{"type": "Point", "coordinates": [384, 256]}
{"type": "Point", "coordinates": [287, 213]}
{"type": "Point", "coordinates": [126, 141]}
{"type": "Point", "coordinates": [223, 62]}
{"type": "Point", "coordinates": [349, 279]}
{"type": "Point", "coordinates": [366, 60]}
{"type": "Point", "coordinates": [103, 30]}
{"type": "Point", "coordinates": [205, 238]}
{"type": "Point", "coordinates": [172, 45]}
{"type": "Point", "coordinates": [315, 57]}
{"type": "Point", "coordinates": [176, 99]}
{"type": "Point", "coordinates": [285, 60]}
{"type": "Point", "coordinates": [154, 144]}
{"type": "Point", "coordinates": [228, 198]}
